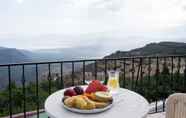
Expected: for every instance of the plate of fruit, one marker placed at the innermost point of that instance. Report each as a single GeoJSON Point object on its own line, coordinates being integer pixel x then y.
{"type": "Point", "coordinates": [93, 98]}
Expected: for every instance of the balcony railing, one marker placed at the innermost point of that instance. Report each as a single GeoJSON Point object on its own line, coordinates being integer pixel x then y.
{"type": "Point", "coordinates": [26, 85]}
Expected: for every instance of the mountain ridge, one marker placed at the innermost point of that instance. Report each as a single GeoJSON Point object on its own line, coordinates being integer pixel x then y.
{"type": "Point", "coordinates": [153, 49]}
{"type": "Point", "coordinates": [13, 55]}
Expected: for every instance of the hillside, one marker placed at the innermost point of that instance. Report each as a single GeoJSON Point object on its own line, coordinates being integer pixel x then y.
{"type": "Point", "coordinates": [153, 49]}
{"type": "Point", "coordinates": [12, 55]}
{"type": "Point", "coordinates": [70, 53]}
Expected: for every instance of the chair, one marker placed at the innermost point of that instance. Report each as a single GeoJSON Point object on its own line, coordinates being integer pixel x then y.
{"type": "Point", "coordinates": [176, 106]}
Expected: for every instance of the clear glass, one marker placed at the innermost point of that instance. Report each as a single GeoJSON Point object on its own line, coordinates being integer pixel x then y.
{"type": "Point", "coordinates": [113, 81]}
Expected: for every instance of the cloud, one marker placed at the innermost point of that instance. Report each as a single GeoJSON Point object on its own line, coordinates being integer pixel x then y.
{"type": "Point", "coordinates": [20, 1]}
{"type": "Point", "coordinates": [68, 23]}
{"type": "Point", "coordinates": [70, 16]}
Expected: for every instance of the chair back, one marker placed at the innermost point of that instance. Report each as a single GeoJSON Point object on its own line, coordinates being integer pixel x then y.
{"type": "Point", "coordinates": [176, 106]}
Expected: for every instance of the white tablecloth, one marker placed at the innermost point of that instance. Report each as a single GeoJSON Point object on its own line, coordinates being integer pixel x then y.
{"type": "Point", "coordinates": [127, 104]}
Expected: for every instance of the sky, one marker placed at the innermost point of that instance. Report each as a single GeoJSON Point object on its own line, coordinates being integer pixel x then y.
{"type": "Point", "coordinates": [109, 24]}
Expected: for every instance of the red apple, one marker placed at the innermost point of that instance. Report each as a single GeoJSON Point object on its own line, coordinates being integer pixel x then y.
{"type": "Point", "coordinates": [104, 88]}
{"type": "Point", "coordinates": [70, 92]}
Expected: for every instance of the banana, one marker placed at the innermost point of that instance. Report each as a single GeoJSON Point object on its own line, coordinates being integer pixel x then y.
{"type": "Point", "coordinates": [90, 104]}
{"type": "Point", "coordinates": [80, 102]}
{"type": "Point", "coordinates": [101, 100]}
{"type": "Point", "coordinates": [69, 101]}
{"type": "Point", "coordinates": [95, 103]}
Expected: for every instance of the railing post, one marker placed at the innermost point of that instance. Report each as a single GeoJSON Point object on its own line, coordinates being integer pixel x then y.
{"type": "Point", "coordinates": [23, 88]}
{"type": "Point", "coordinates": [164, 76]}
{"type": "Point", "coordinates": [95, 70]}
{"type": "Point", "coordinates": [172, 73]}
{"type": "Point", "coordinates": [49, 78]}
{"type": "Point", "coordinates": [179, 66]}
{"type": "Point", "coordinates": [157, 79]}
{"type": "Point", "coordinates": [185, 77]}
{"type": "Point", "coordinates": [137, 76]}
{"type": "Point", "coordinates": [133, 71]}
{"type": "Point", "coordinates": [72, 73]}
{"type": "Point", "coordinates": [141, 75]}
{"type": "Point", "coordinates": [149, 71]}
{"type": "Point", "coordinates": [10, 91]}
{"type": "Point", "coordinates": [62, 82]}
{"type": "Point", "coordinates": [105, 71]}
{"type": "Point", "coordinates": [124, 76]}
{"type": "Point", "coordinates": [37, 90]}
{"type": "Point", "coordinates": [149, 76]}
{"type": "Point", "coordinates": [49, 82]}
{"type": "Point", "coordinates": [84, 73]}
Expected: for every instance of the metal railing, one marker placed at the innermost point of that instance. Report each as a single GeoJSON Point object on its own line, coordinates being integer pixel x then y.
{"type": "Point", "coordinates": [154, 77]}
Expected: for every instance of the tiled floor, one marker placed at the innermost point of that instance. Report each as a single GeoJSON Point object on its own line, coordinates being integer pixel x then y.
{"type": "Point", "coordinates": [157, 115]}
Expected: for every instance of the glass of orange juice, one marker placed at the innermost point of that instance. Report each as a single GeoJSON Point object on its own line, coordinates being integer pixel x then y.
{"type": "Point", "coordinates": [113, 81]}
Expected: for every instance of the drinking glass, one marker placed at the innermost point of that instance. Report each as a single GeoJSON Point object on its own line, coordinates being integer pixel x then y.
{"type": "Point", "coordinates": [113, 81]}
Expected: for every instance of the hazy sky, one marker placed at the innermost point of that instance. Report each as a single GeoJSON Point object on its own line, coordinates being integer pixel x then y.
{"type": "Point", "coordinates": [111, 24]}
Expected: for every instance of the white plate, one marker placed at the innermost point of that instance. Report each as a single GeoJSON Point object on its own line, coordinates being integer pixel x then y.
{"type": "Point", "coordinates": [93, 111]}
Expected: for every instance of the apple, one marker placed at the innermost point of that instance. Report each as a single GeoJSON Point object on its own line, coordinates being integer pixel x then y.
{"type": "Point", "coordinates": [69, 92]}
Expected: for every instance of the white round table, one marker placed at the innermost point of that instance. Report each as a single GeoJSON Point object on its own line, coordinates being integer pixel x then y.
{"type": "Point", "coordinates": [127, 104]}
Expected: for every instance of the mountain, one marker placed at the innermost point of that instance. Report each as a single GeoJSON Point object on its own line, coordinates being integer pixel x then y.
{"type": "Point", "coordinates": [153, 49]}
{"type": "Point", "coordinates": [66, 53]}
{"type": "Point", "coordinates": [12, 55]}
